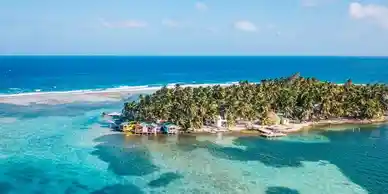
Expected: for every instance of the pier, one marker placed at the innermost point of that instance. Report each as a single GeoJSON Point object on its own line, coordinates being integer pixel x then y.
{"type": "Point", "coordinates": [268, 133]}
{"type": "Point", "coordinates": [271, 135]}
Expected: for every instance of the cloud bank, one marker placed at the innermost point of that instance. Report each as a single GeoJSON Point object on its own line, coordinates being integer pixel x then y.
{"type": "Point", "coordinates": [372, 12]}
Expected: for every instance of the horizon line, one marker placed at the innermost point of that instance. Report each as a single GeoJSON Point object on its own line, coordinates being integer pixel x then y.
{"type": "Point", "coordinates": [223, 55]}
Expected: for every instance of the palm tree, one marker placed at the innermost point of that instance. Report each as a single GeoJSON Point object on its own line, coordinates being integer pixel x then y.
{"type": "Point", "coordinates": [295, 97]}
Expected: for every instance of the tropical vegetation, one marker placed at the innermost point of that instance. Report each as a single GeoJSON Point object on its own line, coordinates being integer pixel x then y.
{"type": "Point", "coordinates": [295, 97]}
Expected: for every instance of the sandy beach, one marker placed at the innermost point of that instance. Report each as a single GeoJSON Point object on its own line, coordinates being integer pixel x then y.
{"type": "Point", "coordinates": [297, 127]}
{"type": "Point", "coordinates": [292, 127]}
{"type": "Point", "coordinates": [111, 94]}
{"type": "Point", "coordinates": [53, 98]}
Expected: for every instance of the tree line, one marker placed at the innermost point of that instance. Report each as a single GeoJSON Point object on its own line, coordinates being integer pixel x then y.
{"type": "Point", "coordinates": [295, 97]}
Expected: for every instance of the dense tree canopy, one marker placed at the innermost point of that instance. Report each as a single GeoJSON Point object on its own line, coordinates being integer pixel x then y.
{"type": "Point", "coordinates": [295, 97]}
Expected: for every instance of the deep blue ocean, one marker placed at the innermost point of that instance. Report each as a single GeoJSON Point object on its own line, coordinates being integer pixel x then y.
{"type": "Point", "coordinates": [20, 74]}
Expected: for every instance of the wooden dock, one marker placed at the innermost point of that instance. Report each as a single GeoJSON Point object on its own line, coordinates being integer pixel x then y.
{"type": "Point", "coordinates": [272, 135]}
{"type": "Point", "coordinates": [154, 132]}
{"type": "Point", "coordinates": [268, 133]}
{"type": "Point", "coordinates": [145, 133]}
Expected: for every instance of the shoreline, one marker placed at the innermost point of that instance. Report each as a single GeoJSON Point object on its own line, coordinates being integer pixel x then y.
{"type": "Point", "coordinates": [138, 88]}
{"type": "Point", "coordinates": [292, 127]}
{"type": "Point", "coordinates": [64, 97]}
{"type": "Point", "coordinates": [323, 124]}
{"type": "Point", "coordinates": [286, 129]}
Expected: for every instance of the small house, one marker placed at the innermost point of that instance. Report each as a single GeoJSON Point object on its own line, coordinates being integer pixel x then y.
{"type": "Point", "coordinates": [170, 128]}
{"type": "Point", "coordinates": [154, 128]}
{"type": "Point", "coordinates": [147, 128]}
{"type": "Point", "coordinates": [126, 127]}
{"type": "Point", "coordinates": [144, 127]}
{"type": "Point", "coordinates": [138, 129]}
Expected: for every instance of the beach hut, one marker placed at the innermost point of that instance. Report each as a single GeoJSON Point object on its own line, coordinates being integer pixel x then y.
{"type": "Point", "coordinates": [152, 128]}
{"type": "Point", "coordinates": [138, 129]}
{"type": "Point", "coordinates": [155, 128]}
{"type": "Point", "coordinates": [170, 128]}
{"type": "Point", "coordinates": [126, 127]}
{"type": "Point", "coordinates": [144, 128]}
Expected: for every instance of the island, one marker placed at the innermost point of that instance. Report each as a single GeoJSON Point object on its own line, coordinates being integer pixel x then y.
{"type": "Point", "coordinates": [273, 107]}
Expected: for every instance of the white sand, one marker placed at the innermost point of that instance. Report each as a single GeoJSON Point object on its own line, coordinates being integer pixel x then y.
{"type": "Point", "coordinates": [52, 98]}
{"type": "Point", "coordinates": [297, 127]}
{"type": "Point", "coordinates": [341, 121]}
{"type": "Point", "coordinates": [112, 94]}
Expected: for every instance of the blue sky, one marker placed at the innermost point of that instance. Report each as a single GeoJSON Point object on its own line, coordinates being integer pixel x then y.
{"type": "Point", "coordinates": [186, 27]}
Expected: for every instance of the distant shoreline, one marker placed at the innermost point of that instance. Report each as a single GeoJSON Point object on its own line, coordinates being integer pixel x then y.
{"type": "Point", "coordinates": [97, 95]}
{"type": "Point", "coordinates": [121, 89]}
{"type": "Point", "coordinates": [53, 98]}
{"type": "Point", "coordinates": [139, 88]}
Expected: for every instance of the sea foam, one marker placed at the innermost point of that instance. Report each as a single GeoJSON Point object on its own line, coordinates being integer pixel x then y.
{"type": "Point", "coordinates": [90, 95]}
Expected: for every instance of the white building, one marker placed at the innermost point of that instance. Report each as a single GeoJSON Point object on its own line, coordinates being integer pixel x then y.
{"type": "Point", "coordinates": [220, 123]}
{"type": "Point", "coordinates": [284, 121]}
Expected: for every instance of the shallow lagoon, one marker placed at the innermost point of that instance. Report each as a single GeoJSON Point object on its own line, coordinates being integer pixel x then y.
{"type": "Point", "coordinates": [68, 149]}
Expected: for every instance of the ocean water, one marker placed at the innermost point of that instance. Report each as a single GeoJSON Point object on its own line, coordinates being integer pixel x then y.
{"type": "Point", "coordinates": [68, 148]}
{"type": "Point", "coordinates": [22, 74]}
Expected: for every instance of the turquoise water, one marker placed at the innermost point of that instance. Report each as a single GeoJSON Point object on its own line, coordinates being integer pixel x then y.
{"type": "Point", "coordinates": [68, 149]}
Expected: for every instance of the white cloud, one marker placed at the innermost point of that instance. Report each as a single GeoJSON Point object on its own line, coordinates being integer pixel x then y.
{"type": "Point", "coordinates": [375, 13]}
{"type": "Point", "coordinates": [125, 24]}
{"type": "Point", "coordinates": [245, 25]}
{"type": "Point", "coordinates": [170, 23]}
{"type": "Point", "coordinates": [201, 6]}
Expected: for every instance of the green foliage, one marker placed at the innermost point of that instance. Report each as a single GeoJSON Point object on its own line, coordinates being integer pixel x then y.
{"type": "Point", "coordinates": [295, 97]}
